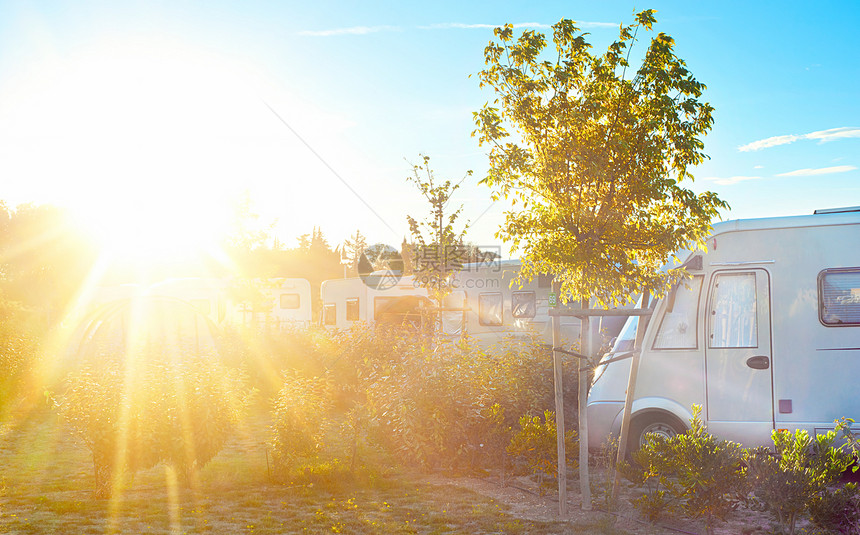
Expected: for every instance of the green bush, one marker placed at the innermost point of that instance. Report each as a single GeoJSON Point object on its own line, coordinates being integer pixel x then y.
{"type": "Point", "coordinates": [268, 354]}
{"type": "Point", "coordinates": [536, 445]}
{"type": "Point", "coordinates": [427, 402]}
{"type": "Point", "coordinates": [147, 407]}
{"type": "Point", "coordinates": [301, 420]}
{"type": "Point", "coordinates": [837, 511]}
{"type": "Point", "coordinates": [425, 405]}
{"type": "Point", "coordinates": [787, 482]}
{"type": "Point", "coordinates": [19, 349]}
{"type": "Point", "coordinates": [692, 473]}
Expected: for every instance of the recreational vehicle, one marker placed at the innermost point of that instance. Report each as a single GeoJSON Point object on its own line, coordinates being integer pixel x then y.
{"type": "Point", "coordinates": [482, 304]}
{"type": "Point", "coordinates": [288, 300]}
{"type": "Point", "coordinates": [764, 335]}
{"type": "Point", "coordinates": [290, 303]}
{"type": "Point", "coordinates": [383, 299]}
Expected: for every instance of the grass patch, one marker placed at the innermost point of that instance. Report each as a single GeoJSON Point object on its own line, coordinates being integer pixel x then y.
{"type": "Point", "coordinates": [47, 488]}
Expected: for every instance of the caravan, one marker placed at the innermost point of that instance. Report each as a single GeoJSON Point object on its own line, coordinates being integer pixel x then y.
{"type": "Point", "coordinates": [764, 335]}
{"type": "Point", "coordinates": [287, 300]}
{"type": "Point", "coordinates": [482, 304]}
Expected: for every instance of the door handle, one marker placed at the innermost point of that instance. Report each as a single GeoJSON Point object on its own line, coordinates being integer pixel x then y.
{"type": "Point", "coordinates": [759, 362]}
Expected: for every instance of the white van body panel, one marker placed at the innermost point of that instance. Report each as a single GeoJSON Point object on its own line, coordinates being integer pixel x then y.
{"type": "Point", "coordinates": [757, 355]}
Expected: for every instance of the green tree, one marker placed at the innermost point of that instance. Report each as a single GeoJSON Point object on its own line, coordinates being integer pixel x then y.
{"type": "Point", "coordinates": [351, 251]}
{"type": "Point", "coordinates": [592, 159]}
{"type": "Point", "coordinates": [439, 250]}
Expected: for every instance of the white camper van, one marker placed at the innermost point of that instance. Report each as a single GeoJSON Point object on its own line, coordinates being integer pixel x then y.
{"type": "Point", "coordinates": [482, 304]}
{"type": "Point", "coordinates": [764, 336]}
{"type": "Point", "coordinates": [346, 301]}
{"type": "Point", "coordinates": [291, 303]}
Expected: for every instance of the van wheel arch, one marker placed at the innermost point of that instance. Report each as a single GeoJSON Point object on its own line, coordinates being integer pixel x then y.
{"type": "Point", "coordinates": [660, 422]}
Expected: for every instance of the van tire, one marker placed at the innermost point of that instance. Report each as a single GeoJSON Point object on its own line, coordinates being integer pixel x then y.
{"type": "Point", "coordinates": [661, 423]}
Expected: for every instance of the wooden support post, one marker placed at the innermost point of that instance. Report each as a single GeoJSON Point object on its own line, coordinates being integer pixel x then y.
{"type": "Point", "coordinates": [582, 367]}
{"type": "Point", "coordinates": [631, 392]}
{"type": "Point", "coordinates": [558, 380]}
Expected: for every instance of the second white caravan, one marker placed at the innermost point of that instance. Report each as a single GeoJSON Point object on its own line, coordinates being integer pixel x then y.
{"type": "Point", "coordinates": [764, 336]}
{"type": "Point", "coordinates": [483, 304]}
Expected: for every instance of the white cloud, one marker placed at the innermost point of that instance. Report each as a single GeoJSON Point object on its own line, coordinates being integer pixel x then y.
{"type": "Point", "coordinates": [820, 171]}
{"type": "Point", "coordinates": [728, 181]}
{"type": "Point", "coordinates": [517, 25]}
{"type": "Point", "coordinates": [834, 133]}
{"type": "Point", "coordinates": [354, 30]}
{"type": "Point", "coordinates": [463, 26]}
{"type": "Point", "coordinates": [823, 136]}
{"type": "Point", "coordinates": [769, 142]}
{"type": "Point", "coordinates": [365, 30]}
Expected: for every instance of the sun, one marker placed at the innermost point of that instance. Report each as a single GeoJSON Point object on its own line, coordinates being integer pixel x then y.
{"type": "Point", "coordinates": [156, 226]}
{"type": "Point", "coordinates": [153, 141]}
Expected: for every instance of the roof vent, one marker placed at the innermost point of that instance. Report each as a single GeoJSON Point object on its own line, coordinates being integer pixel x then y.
{"type": "Point", "coordinates": [838, 210]}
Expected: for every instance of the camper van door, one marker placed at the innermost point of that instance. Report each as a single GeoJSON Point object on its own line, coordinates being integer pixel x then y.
{"type": "Point", "coordinates": [738, 359]}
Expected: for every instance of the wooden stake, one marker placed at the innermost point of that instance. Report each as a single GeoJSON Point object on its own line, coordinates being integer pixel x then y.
{"type": "Point", "coordinates": [582, 367]}
{"type": "Point", "coordinates": [558, 380]}
{"type": "Point", "coordinates": [631, 392]}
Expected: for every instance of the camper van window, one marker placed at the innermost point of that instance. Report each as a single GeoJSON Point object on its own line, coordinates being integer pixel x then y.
{"type": "Point", "coordinates": [382, 306]}
{"type": "Point", "coordinates": [523, 304]}
{"type": "Point", "coordinates": [490, 309]}
{"type": "Point", "coordinates": [732, 317]}
{"type": "Point", "coordinates": [839, 297]}
{"type": "Point", "coordinates": [330, 314]}
{"type": "Point", "coordinates": [352, 309]}
{"type": "Point", "coordinates": [678, 326]}
{"type": "Point", "coordinates": [290, 301]}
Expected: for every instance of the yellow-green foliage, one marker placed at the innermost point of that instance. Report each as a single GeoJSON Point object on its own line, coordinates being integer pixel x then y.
{"type": "Point", "coordinates": [693, 473]}
{"type": "Point", "coordinates": [133, 413]}
{"type": "Point", "coordinates": [536, 444]}
{"type": "Point", "coordinates": [426, 402]}
{"type": "Point", "coordinates": [301, 419]}
{"type": "Point", "coordinates": [787, 483]}
{"type": "Point", "coordinates": [19, 347]}
{"type": "Point", "coordinates": [592, 150]}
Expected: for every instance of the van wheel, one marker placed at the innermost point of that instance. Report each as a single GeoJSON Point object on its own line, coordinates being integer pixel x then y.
{"type": "Point", "coordinates": [662, 424]}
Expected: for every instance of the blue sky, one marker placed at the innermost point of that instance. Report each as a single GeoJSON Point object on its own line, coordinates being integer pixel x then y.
{"type": "Point", "coordinates": [168, 111]}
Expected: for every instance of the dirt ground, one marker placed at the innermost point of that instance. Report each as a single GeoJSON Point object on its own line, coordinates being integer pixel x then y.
{"type": "Point", "coordinates": [521, 495]}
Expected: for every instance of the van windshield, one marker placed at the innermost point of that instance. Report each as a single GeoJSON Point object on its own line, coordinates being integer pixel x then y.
{"type": "Point", "coordinates": [627, 337]}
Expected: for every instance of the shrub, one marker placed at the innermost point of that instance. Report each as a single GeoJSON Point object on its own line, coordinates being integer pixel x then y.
{"type": "Point", "coordinates": [301, 420]}
{"type": "Point", "coordinates": [425, 405]}
{"type": "Point", "coordinates": [536, 444]}
{"type": "Point", "coordinates": [692, 473]}
{"type": "Point", "coordinates": [268, 354]}
{"type": "Point", "coordinates": [787, 482]}
{"type": "Point", "coordinates": [852, 441]}
{"type": "Point", "coordinates": [602, 482]}
{"type": "Point", "coordinates": [134, 412]}
{"type": "Point", "coordinates": [19, 349]}
{"type": "Point", "coordinates": [837, 511]}
{"type": "Point", "coordinates": [430, 403]}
